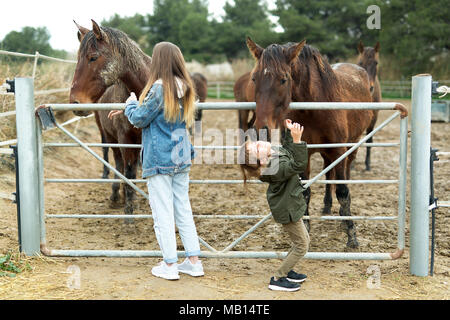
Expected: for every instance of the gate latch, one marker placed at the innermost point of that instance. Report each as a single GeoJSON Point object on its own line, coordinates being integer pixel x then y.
{"type": "Point", "coordinates": [7, 87]}
{"type": "Point", "coordinates": [46, 116]}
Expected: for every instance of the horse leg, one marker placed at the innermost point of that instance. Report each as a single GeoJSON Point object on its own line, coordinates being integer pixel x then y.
{"type": "Point", "coordinates": [370, 140]}
{"type": "Point", "coordinates": [243, 124]}
{"type": "Point", "coordinates": [130, 161]}
{"type": "Point", "coordinates": [344, 198]}
{"type": "Point", "coordinates": [252, 120]}
{"type": "Point", "coordinates": [115, 196]}
{"type": "Point", "coordinates": [328, 198]}
{"type": "Point", "coordinates": [104, 140]}
{"type": "Point", "coordinates": [198, 115]}
{"type": "Point", "coordinates": [105, 157]}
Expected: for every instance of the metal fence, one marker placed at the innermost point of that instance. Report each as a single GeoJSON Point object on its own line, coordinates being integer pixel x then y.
{"type": "Point", "coordinates": [31, 177]}
{"type": "Point", "coordinates": [4, 87]}
{"type": "Point", "coordinates": [400, 88]}
{"type": "Point", "coordinates": [221, 89]}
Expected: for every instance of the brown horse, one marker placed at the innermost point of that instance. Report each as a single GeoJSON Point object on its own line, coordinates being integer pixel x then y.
{"type": "Point", "coordinates": [111, 66]}
{"type": "Point", "coordinates": [368, 59]}
{"type": "Point", "coordinates": [201, 90]}
{"type": "Point", "coordinates": [297, 72]}
{"type": "Point", "coordinates": [244, 91]}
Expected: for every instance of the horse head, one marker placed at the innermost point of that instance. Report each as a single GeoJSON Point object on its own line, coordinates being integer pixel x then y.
{"type": "Point", "coordinates": [368, 59]}
{"type": "Point", "coordinates": [272, 82]}
{"type": "Point", "coordinates": [98, 66]}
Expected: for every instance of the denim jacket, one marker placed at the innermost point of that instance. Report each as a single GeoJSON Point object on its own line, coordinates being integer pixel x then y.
{"type": "Point", "coordinates": [166, 148]}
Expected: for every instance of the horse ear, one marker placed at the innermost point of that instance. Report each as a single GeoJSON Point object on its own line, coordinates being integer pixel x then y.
{"type": "Point", "coordinates": [97, 30]}
{"type": "Point", "coordinates": [81, 31]}
{"type": "Point", "coordinates": [294, 50]}
{"type": "Point", "coordinates": [377, 47]}
{"type": "Point", "coordinates": [360, 46]}
{"type": "Point", "coordinates": [255, 49]}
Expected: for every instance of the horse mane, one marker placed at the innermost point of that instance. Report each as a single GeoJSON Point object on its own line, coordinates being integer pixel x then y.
{"type": "Point", "coordinates": [273, 58]}
{"type": "Point", "coordinates": [121, 45]}
{"type": "Point", "coordinates": [309, 58]}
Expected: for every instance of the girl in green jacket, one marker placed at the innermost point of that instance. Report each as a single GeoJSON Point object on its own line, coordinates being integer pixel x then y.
{"type": "Point", "coordinates": [280, 168]}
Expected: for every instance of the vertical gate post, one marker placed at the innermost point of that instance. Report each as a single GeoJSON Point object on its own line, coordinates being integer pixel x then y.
{"type": "Point", "coordinates": [28, 166]}
{"type": "Point", "coordinates": [420, 174]}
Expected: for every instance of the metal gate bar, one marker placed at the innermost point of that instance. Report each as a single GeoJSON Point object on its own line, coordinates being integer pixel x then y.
{"type": "Point", "coordinates": [138, 146]}
{"type": "Point", "coordinates": [265, 218]}
{"type": "Point", "coordinates": [237, 106]}
{"type": "Point", "coordinates": [229, 254]}
{"type": "Point", "coordinates": [211, 216]}
{"type": "Point", "coordinates": [38, 182]}
{"type": "Point", "coordinates": [220, 181]}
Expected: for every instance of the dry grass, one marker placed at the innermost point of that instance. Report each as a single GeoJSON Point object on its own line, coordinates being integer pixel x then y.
{"type": "Point", "coordinates": [34, 282]}
{"type": "Point", "coordinates": [49, 75]}
{"type": "Point", "coordinates": [241, 66]}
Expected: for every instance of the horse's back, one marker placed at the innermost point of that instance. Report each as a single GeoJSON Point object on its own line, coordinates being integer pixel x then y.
{"type": "Point", "coordinates": [354, 82]}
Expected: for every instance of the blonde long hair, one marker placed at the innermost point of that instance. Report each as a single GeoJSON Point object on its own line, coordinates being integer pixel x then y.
{"type": "Point", "coordinates": [168, 64]}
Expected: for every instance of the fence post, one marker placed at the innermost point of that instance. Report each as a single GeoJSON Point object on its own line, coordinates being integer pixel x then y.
{"type": "Point", "coordinates": [36, 58]}
{"type": "Point", "coordinates": [28, 166]}
{"type": "Point", "coordinates": [420, 174]}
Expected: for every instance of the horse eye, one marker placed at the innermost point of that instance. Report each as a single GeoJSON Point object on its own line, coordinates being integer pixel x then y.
{"type": "Point", "coordinates": [283, 81]}
{"type": "Point", "coordinates": [253, 79]}
{"type": "Point", "coordinates": [93, 59]}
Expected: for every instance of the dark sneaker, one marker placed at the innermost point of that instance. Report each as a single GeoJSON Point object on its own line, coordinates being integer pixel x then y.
{"type": "Point", "coordinates": [296, 277]}
{"type": "Point", "coordinates": [283, 284]}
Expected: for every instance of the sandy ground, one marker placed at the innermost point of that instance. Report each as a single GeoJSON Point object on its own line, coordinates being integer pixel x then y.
{"type": "Point", "coordinates": [130, 278]}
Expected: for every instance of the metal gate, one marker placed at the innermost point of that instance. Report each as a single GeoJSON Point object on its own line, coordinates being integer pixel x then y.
{"type": "Point", "coordinates": [30, 153]}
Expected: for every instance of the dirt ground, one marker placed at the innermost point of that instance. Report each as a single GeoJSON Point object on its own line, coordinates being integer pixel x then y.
{"type": "Point", "coordinates": [130, 278]}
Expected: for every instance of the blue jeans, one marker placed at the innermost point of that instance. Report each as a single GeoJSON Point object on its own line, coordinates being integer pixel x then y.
{"type": "Point", "coordinates": [169, 200]}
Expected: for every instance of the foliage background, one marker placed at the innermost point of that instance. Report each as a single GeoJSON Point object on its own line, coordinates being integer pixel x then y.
{"type": "Point", "coordinates": [414, 34]}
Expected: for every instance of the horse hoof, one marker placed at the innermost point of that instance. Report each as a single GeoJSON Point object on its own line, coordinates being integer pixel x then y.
{"type": "Point", "coordinates": [128, 210]}
{"type": "Point", "coordinates": [352, 243]}
{"type": "Point", "coordinates": [128, 221]}
{"type": "Point", "coordinates": [343, 226]}
{"type": "Point", "coordinates": [326, 210]}
{"type": "Point", "coordinates": [114, 198]}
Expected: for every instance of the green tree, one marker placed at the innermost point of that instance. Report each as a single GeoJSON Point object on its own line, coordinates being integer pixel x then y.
{"type": "Point", "coordinates": [134, 27]}
{"type": "Point", "coordinates": [415, 34]}
{"type": "Point", "coordinates": [334, 27]}
{"type": "Point", "coordinates": [29, 40]}
{"type": "Point", "coordinates": [244, 18]}
{"type": "Point", "coordinates": [184, 23]}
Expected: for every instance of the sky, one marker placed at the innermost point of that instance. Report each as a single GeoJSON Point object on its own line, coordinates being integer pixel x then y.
{"type": "Point", "coordinates": [58, 16]}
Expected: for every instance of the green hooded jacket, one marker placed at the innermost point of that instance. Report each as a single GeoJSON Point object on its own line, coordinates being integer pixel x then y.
{"type": "Point", "coordinates": [285, 191]}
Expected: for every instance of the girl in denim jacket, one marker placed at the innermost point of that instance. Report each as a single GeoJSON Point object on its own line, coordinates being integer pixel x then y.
{"type": "Point", "coordinates": [164, 110]}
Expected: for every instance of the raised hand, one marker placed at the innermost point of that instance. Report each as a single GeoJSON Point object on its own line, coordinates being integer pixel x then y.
{"type": "Point", "coordinates": [296, 130]}
{"type": "Point", "coordinates": [114, 113]}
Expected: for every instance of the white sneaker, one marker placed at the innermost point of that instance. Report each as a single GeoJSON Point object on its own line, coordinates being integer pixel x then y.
{"type": "Point", "coordinates": [162, 270]}
{"type": "Point", "coordinates": [195, 270]}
